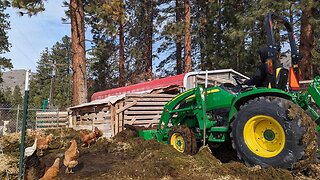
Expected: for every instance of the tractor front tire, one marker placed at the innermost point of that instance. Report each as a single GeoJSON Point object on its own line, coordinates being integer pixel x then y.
{"type": "Point", "coordinates": [269, 131]}
{"type": "Point", "coordinates": [183, 140]}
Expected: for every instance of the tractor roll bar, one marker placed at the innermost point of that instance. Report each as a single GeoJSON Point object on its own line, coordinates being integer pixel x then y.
{"type": "Point", "coordinates": [295, 56]}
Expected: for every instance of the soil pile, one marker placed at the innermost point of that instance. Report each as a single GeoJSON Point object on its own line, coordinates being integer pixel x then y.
{"type": "Point", "coordinates": [126, 156]}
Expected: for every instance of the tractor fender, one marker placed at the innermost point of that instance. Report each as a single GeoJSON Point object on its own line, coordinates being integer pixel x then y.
{"type": "Point", "coordinates": [244, 97]}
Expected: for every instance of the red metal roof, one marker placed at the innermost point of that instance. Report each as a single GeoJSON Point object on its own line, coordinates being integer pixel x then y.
{"type": "Point", "coordinates": [145, 86]}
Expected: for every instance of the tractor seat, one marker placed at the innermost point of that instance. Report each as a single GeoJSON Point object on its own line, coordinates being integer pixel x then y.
{"type": "Point", "coordinates": [229, 87]}
{"type": "Point", "coordinates": [282, 78]}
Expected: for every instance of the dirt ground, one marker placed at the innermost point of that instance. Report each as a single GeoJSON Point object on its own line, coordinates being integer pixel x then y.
{"type": "Point", "coordinates": [129, 157]}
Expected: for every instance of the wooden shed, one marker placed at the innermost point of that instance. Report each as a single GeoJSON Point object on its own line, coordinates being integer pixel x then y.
{"type": "Point", "coordinates": [139, 104]}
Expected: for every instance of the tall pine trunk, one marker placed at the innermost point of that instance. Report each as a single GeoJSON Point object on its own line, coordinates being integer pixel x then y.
{"type": "Point", "coordinates": [187, 37]}
{"type": "Point", "coordinates": [210, 35]}
{"type": "Point", "coordinates": [178, 38]}
{"type": "Point", "coordinates": [121, 53]}
{"type": "Point", "coordinates": [148, 38]}
{"type": "Point", "coordinates": [306, 43]}
{"type": "Point", "coordinates": [78, 52]}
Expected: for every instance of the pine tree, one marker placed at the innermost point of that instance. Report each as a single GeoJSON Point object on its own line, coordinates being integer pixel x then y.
{"type": "Point", "coordinates": [76, 11]}
{"type": "Point", "coordinates": [121, 40]}
{"type": "Point", "coordinates": [8, 95]}
{"type": "Point", "coordinates": [170, 36]}
{"type": "Point", "coordinates": [104, 67]}
{"type": "Point", "coordinates": [187, 36]}
{"type": "Point", "coordinates": [107, 64]}
{"type": "Point", "coordinates": [62, 85]}
{"type": "Point", "coordinates": [4, 43]}
{"type": "Point", "coordinates": [308, 8]}
{"type": "Point", "coordinates": [316, 50]}
{"type": "Point", "coordinates": [40, 84]}
{"type": "Point", "coordinates": [54, 75]}
{"type": "Point", "coordinates": [78, 52]}
{"type": "Point", "coordinates": [17, 97]}
{"type": "Point", "coordinates": [178, 38]}
{"type": "Point", "coordinates": [148, 12]}
{"type": "Point", "coordinates": [13, 98]}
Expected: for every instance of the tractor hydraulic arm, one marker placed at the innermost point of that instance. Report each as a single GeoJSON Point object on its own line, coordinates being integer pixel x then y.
{"type": "Point", "coordinates": [169, 109]}
{"type": "Point", "coordinates": [312, 105]}
{"type": "Point", "coordinates": [314, 92]}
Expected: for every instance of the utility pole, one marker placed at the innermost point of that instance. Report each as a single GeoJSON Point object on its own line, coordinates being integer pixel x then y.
{"type": "Point", "coordinates": [50, 103]}
{"type": "Point", "coordinates": [53, 75]}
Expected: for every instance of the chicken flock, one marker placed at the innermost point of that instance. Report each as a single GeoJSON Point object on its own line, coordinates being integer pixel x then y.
{"type": "Point", "coordinates": [71, 155]}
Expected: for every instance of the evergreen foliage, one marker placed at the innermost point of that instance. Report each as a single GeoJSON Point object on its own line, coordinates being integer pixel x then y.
{"type": "Point", "coordinates": [225, 34]}
{"type": "Point", "coordinates": [4, 42]}
{"type": "Point", "coordinates": [14, 97]}
{"type": "Point", "coordinates": [54, 73]}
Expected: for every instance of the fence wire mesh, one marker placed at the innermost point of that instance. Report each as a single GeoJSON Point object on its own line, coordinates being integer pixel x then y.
{"type": "Point", "coordinates": [11, 117]}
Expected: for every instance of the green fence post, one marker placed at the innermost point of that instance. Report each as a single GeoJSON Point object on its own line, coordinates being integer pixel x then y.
{"type": "Point", "coordinates": [24, 123]}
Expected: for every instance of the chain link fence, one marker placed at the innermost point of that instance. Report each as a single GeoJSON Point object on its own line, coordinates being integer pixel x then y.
{"type": "Point", "coordinates": [11, 118]}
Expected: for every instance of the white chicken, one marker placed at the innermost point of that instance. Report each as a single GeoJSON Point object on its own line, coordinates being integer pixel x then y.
{"type": "Point", "coordinates": [30, 150]}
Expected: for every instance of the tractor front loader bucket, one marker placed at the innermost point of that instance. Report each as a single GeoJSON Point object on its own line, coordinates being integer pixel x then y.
{"type": "Point", "coordinates": [141, 131]}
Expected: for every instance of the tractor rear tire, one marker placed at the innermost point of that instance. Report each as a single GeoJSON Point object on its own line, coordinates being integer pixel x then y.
{"type": "Point", "coordinates": [183, 140]}
{"type": "Point", "coordinates": [269, 131]}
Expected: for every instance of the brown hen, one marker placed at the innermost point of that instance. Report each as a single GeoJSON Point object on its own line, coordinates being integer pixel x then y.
{"type": "Point", "coordinates": [52, 172]}
{"type": "Point", "coordinates": [71, 157]}
{"type": "Point", "coordinates": [98, 132]}
{"type": "Point", "coordinates": [43, 142]}
{"type": "Point", "coordinates": [88, 139]}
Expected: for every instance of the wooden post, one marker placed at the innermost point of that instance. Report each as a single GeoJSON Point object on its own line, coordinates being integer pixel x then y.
{"type": "Point", "coordinates": [113, 112]}
{"type": "Point", "coordinates": [121, 104]}
{"type": "Point", "coordinates": [116, 119]}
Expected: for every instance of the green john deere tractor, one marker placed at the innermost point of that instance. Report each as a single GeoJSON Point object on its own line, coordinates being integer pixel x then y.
{"type": "Point", "coordinates": [267, 126]}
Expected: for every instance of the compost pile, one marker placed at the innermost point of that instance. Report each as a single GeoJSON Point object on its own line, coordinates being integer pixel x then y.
{"type": "Point", "coordinates": [126, 156]}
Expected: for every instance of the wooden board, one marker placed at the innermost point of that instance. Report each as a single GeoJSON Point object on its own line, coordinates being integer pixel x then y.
{"type": "Point", "coordinates": [126, 117]}
{"type": "Point", "coordinates": [143, 122]}
{"type": "Point", "coordinates": [113, 114]}
{"type": "Point", "coordinates": [51, 120]}
{"type": "Point", "coordinates": [116, 124]}
{"type": "Point", "coordinates": [101, 121]}
{"type": "Point", "coordinates": [147, 109]}
{"type": "Point", "coordinates": [149, 95]}
{"type": "Point", "coordinates": [51, 124]}
{"type": "Point", "coordinates": [128, 105]}
{"type": "Point", "coordinates": [121, 105]}
{"type": "Point", "coordinates": [150, 108]}
{"type": "Point", "coordinates": [142, 112]}
{"type": "Point", "coordinates": [151, 103]}
{"type": "Point", "coordinates": [151, 99]}
{"type": "Point", "coordinates": [46, 114]}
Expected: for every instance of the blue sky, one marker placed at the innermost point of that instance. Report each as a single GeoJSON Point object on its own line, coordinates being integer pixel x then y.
{"type": "Point", "coordinates": [29, 36]}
